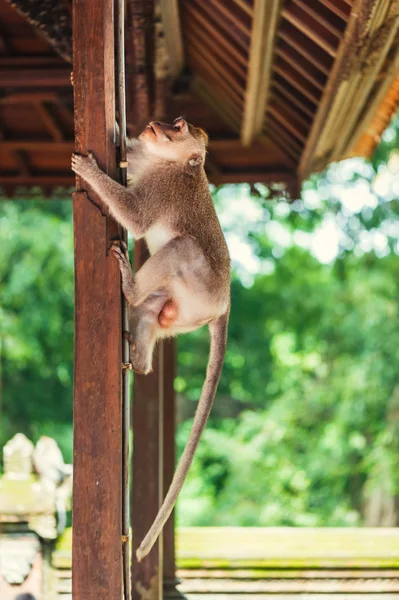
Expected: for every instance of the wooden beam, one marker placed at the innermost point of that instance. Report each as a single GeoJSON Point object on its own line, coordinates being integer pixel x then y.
{"type": "Point", "coordinates": [318, 17]}
{"type": "Point", "coordinates": [212, 31]}
{"type": "Point", "coordinates": [217, 13]}
{"type": "Point", "coordinates": [284, 140]}
{"type": "Point", "coordinates": [97, 497]}
{"type": "Point", "coordinates": [147, 467]}
{"type": "Point", "coordinates": [34, 62]}
{"type": "Point", "coordinates": [35, 78]}
{"type": "Point", "coordinates": [38, 145]}
{"type": "Point", "coordinates": [22, 97]}
{"type": "Point", "coordinates": [264, 27]}
{"type": "Point", "coordinates": [211, 76]}
{"type": "Point", "coordinates": [217, 102]}
{"type": "Point", "coordinates": [229, 15]}
{"type": "Point", "coordinates": [289, 74]}
{"type": "Point", "coordinates": [37, 180]}
{"type": "Point", "coordinates": [301, 66]}
{"type": "Point", "coordinates": [173, 36]}
{"type": "Point", "coordinates": [51, 20]}
{"type": "Point", "coordinates": [287, 122]}
{"type": "Point", "coordinates": [342, 11]}
{"type": "Point", "coordinates": [169, 456]}
{"type": "Point", "coordinates": [244, 7]}
{"type": "Point", "coordinates": [291, 110]}
{"type": "Point", "coordinates": [293, 98]}
{"type": "Point", "coordinates": [218, 66]}
{"type": "Point", "coordinates": [305, 47]}
{"type": "Point", "coordinates": [218, 51]}
{"type": "Point", "coordinates": [49, 121]}
{"type": "Point", "coordinates": [310, 32]}
{"type": "Point", "coordinates": [139, 62]}
{"type": "Point", "coordinates": [22, 161]}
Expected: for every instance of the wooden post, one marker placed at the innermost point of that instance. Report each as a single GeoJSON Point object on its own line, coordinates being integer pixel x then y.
{"type": "Point", "coordinates": [147, 471]}
{"type": "Point", "coordinates": [169, 463]}
{"type": "Point", "coordinates": [96, 545]}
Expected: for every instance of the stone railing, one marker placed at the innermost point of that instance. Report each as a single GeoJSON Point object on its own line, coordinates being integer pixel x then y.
{"type": "Point", "coordinates": [35, 495]}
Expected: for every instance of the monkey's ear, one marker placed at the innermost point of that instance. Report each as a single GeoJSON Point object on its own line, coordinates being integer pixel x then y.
{"type": "Point", "coordinates": [195, 160]}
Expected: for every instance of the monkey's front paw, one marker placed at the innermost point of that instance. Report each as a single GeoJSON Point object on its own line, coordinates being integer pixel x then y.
{"type": "Point", "coordinates": [84, 166]}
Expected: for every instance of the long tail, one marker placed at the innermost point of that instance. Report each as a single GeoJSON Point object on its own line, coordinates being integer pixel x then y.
{"type": "Point", "coordinates": [218, 332]}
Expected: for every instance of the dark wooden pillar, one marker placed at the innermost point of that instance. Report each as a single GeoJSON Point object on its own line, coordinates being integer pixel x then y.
{"type": "Point", "coordinates": [147, 471]}
{"type": "Point", "coordinates": [169, 462]}
{"type": "Point", "coordinates": [96, 546]}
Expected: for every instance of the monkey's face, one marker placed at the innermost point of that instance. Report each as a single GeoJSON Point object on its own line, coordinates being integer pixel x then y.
{"type": "Point", "coordinates": [179, 141]}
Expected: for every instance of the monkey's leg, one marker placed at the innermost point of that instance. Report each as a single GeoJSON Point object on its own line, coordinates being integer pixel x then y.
{"type": "Point", "coordinates": [144, 330]}
{"type": "Point", "coordinates": [123, 203]}
{"type": "Point", "coordinates": [181, 258]}
{"type": "Point", "coordinates": [121, 256]}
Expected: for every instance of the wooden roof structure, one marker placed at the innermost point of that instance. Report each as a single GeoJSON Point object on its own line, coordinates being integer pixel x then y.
{"type": "Point", "coordinates": [283, 87]}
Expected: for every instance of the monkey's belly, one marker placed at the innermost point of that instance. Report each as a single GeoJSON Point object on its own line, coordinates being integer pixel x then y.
{"type": "Point", "coordinates": [157, 237]}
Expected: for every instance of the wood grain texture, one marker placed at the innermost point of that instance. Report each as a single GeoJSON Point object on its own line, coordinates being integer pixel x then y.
{"type": "Point", "coordinates": [169, 463]}
{"type": "Point", "coordinates": [96, 546]}
{"type": "Point", "coordinates": [147, 468]}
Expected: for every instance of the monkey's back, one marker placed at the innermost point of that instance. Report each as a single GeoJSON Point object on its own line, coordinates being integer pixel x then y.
{"type": "Point", "coordinates": [179, 197]}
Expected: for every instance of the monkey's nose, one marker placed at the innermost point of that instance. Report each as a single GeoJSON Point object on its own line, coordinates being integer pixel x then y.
{"type": "Point", "coordinates": [156, 123]}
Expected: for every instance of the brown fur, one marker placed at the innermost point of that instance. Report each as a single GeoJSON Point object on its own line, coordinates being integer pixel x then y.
{"type": "Point", "coordinates": [186, 282]}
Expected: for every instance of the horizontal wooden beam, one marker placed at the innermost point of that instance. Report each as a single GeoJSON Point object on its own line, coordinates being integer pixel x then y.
{"type": "Point", "coordinates": [216, 177]}
{"type": "Point", "coordinates": [34, 78]}
{"type": "Point", "coordinates": [37, 180]}
{"type": "Point", "coordinates": [38, 145]}
{"type": "Point", "coordinates": [31, 62]}
{"type": "Point", "coordinates": [22, 97]}
{"type": "Point", "coordinates": [221, 143]}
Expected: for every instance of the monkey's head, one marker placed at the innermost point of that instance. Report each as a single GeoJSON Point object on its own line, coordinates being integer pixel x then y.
{"type": "Point", "coordinates": [179, 142]}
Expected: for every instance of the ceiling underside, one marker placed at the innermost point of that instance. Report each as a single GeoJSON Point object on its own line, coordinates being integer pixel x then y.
{"type": "Point", "coordinates": [283, 87]}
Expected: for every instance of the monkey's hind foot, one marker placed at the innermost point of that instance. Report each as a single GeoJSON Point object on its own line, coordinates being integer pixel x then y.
{"type": "Point", "coordinates": [120, 251]}
{"type": "Point", "coordinates": [139, 363]}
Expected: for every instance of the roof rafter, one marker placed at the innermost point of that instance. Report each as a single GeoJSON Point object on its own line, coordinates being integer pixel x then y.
{"type": "Point", "coordinates": [173, 35]}
{"type": "Point", "coordinates": [52, 20]}
{"type": "Point", "coordinates": [264, 28]}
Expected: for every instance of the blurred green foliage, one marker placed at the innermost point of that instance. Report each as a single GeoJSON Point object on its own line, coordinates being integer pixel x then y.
{"type": "Point", "coordinates": [305, 425]}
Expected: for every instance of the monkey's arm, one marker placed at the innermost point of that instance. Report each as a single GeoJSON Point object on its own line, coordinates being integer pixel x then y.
{"type": "Point", "coordinates": [124, 204]}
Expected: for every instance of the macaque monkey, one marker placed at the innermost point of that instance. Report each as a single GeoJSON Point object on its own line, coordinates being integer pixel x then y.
{"type": "Point", "coordinates": [186, 281]}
